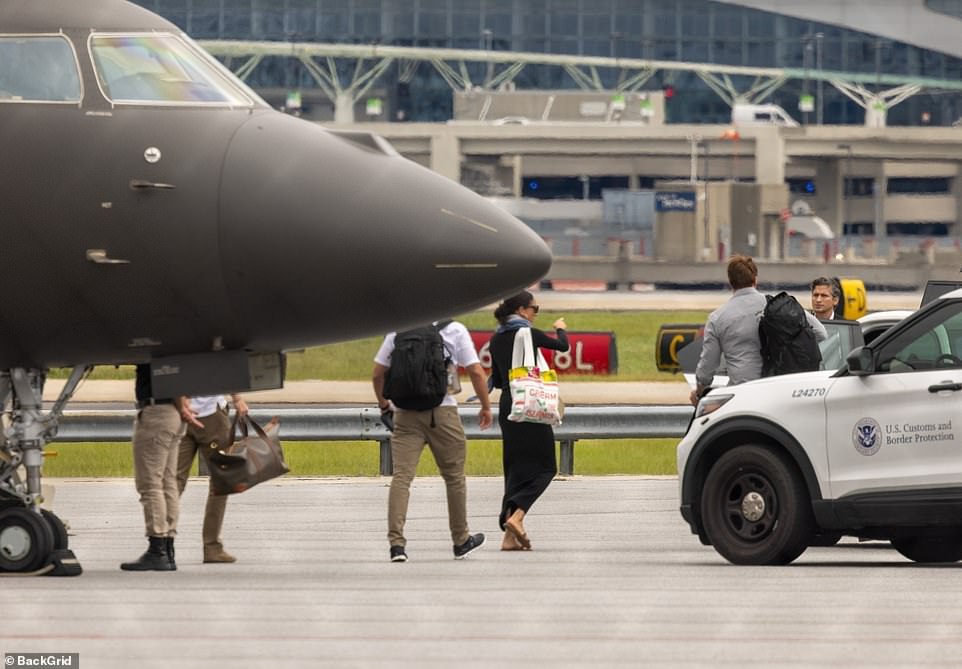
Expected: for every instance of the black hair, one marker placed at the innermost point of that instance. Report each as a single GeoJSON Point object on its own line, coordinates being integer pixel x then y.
{"type": "Point", "coordinates": [832, 284]}
{"type": "Point", "coordinates": [512, 304]}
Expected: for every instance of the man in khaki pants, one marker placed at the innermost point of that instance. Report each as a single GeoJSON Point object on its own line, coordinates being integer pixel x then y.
{"type": "Point", "coordinates": [440, 428]}
{"type": "Point", "coordinates": [157, 432]}
{"type": "Point", "coordinates": [212, 434]}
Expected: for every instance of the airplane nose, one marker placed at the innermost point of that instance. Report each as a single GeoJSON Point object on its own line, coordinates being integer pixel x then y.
{"type": "Point", "coordinates": [338, 236]}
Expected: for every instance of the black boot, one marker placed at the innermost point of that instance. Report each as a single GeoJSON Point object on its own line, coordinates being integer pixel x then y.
{"type": "Point", "coordinates": [155, 559]}
{"type": "Point", "coordinates": [170, 553]}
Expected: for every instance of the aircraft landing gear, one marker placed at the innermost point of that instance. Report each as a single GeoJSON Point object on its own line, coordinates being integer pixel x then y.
{"type": "Point", "coordinates": [33, 541]}
{"type": "Point", "coordinates": [26, 539]}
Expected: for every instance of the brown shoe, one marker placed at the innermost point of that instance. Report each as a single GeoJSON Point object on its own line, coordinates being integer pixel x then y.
{"type": "Point", "coordinates": [217, 555]}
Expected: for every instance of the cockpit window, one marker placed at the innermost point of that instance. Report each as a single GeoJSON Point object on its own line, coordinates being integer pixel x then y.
{"type": "Point", "coordinates": [39, 68]}
{"type": "Point", "coordinates": [159, 69]}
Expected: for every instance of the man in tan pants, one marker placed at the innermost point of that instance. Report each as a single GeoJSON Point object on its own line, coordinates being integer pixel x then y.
{"type": "Point", "coordinates": [440, 428]}
{"type": "Point", "coordinates": [212, 434]}
{"type": "Point", "coordinates": [157, 432]}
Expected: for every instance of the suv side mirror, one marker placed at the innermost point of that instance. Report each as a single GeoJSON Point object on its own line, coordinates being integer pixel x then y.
{"type": "Point", "coordinates": [860, 361]}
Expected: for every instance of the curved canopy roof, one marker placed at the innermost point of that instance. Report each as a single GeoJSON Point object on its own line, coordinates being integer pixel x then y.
{"type": "Point", "coordinates": [913, 22]}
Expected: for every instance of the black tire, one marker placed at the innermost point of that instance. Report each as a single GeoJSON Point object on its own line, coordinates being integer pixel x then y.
{"type": "Point", "coordinates": [26, 539]}
{"type": "Point", "coordinates": [931, 548]}
{"type": "Point", "coordinates": [58, 529]}
{"type": "Point", "coordinates": [755, 507]}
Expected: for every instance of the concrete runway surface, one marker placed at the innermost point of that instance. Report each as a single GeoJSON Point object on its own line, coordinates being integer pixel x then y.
{"type": "Point", "coordinates": [614, 580]}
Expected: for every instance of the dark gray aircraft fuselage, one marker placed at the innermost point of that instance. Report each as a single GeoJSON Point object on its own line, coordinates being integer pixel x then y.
{"type": "Point", "coordinates": [154, 209]}
{"type": "Point", "coordinates": [133, 229]}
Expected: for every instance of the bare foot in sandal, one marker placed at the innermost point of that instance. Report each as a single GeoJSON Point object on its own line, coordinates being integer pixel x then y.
{"type": "Point", "coordinates": [511, 543]}
{"type": "Point", "coordinates": [513, 525]}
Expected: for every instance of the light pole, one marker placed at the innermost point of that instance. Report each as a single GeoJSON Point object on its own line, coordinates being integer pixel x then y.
{"type": "Point", "coordinates": [487, 41]}
{"type": "Point", "coordinates": [878, 62]}
{"type": "Point", "coordinates": [292, 104]}
{"type": "Point", "coordinates": [694, 139]}
{"type": "Point", "coordinates": [848, 185]}
{"type": "Point", "coordinates": [616, 38]}
{"type": "Point", "coordinates": [805, 103]}
{"type": "Point", "coordinates": [818, 84]}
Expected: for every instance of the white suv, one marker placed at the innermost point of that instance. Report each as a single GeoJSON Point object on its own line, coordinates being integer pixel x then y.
{"type": "Point", "coordinates": [872, 450]}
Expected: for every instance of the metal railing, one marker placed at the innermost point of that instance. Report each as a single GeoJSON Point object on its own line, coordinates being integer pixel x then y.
{"type": "Point", "coordinates": [363, 424]}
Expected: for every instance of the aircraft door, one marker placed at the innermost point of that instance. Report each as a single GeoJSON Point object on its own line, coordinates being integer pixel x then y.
{"type": "Point", "coordinates": [155, 257]}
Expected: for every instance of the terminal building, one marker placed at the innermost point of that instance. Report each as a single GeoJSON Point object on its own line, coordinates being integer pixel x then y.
{"type": "Point", "coordinates": [913, 37]}
{"type": "Point", "coordinates": [890, 185]}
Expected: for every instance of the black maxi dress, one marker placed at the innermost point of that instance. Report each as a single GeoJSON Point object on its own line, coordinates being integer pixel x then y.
{"type": "Point", "coordinates": [528, 452]}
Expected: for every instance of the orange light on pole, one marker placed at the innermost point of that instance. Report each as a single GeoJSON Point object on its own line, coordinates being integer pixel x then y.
{"type": "Point", "coordinates": [731, 134]}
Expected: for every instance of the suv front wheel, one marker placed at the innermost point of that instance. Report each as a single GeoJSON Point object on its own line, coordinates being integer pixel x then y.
{"type": "Point", "coordinates": [755, 507]}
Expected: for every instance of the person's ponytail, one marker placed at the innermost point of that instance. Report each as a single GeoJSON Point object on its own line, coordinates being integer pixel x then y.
{"type": "Point", "coordinates": [512, 304]}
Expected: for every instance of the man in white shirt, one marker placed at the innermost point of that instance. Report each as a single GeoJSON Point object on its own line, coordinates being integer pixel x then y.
{"type": "Point", "coordinates": [211, 434]}
{"type": "Point", "coordinates": [440, 428]}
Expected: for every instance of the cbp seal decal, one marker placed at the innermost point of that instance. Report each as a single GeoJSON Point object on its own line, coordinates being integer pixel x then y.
{"type": "Point", "coordinates": [867, 436]}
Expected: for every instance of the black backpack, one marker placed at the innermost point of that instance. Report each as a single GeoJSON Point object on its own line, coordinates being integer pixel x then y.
{"type": "Point", "coordinates": [418, 377]}
{"type": "Point", "coordinates": [788, 341]}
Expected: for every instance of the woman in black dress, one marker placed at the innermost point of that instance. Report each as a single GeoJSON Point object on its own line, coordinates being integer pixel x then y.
{"type": "Point", "coordinates": [528, 448]}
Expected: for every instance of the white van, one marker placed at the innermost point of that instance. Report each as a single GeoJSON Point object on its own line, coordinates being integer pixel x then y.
{"type": "Point", "coordinates": [762, 115]}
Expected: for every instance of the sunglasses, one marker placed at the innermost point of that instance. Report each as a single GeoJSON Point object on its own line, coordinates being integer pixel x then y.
{"type": "Point", "coordinates": [536, 307]}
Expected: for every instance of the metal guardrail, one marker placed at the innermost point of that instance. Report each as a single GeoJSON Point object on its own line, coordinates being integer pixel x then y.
{"type": "Point", "coordinates": [364, 424]}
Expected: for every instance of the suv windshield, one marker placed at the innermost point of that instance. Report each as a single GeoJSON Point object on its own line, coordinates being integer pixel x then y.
{"type": "Point", "coordinates": [159, 68]}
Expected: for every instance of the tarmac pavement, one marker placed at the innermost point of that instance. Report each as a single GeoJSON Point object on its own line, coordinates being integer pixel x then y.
{"type": "Point", "coordinates": [615, 580]}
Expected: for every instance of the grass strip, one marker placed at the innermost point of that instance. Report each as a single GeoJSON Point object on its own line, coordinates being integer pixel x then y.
{"type": "Point", "coordinates": [593, 457]}
{"type": "Point", "coordinates": [635, 333]}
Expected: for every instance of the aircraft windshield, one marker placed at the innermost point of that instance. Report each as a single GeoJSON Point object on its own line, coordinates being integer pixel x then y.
{"type": "Point", "coordinates": [38, 69]}
{"type": "Point", "coordinates": [161, 69]}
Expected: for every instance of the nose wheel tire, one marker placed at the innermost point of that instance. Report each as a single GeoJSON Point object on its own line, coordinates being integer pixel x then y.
{"type": "Point", "coordinates": [755, 507]}
{"type": "Point", "coordinates": [26, 539]}
{"type": "Point", "coordinates": [58, 529]}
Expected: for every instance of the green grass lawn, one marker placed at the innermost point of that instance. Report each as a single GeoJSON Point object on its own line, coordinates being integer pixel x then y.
{"type": "Point", "coordinates": [634, 332]}
{"type": "Point", "coordinates": [331, 458]}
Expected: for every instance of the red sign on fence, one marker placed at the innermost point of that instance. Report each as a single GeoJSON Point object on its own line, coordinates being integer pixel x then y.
{"type": "Point", "coordinates": [589, 353]}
